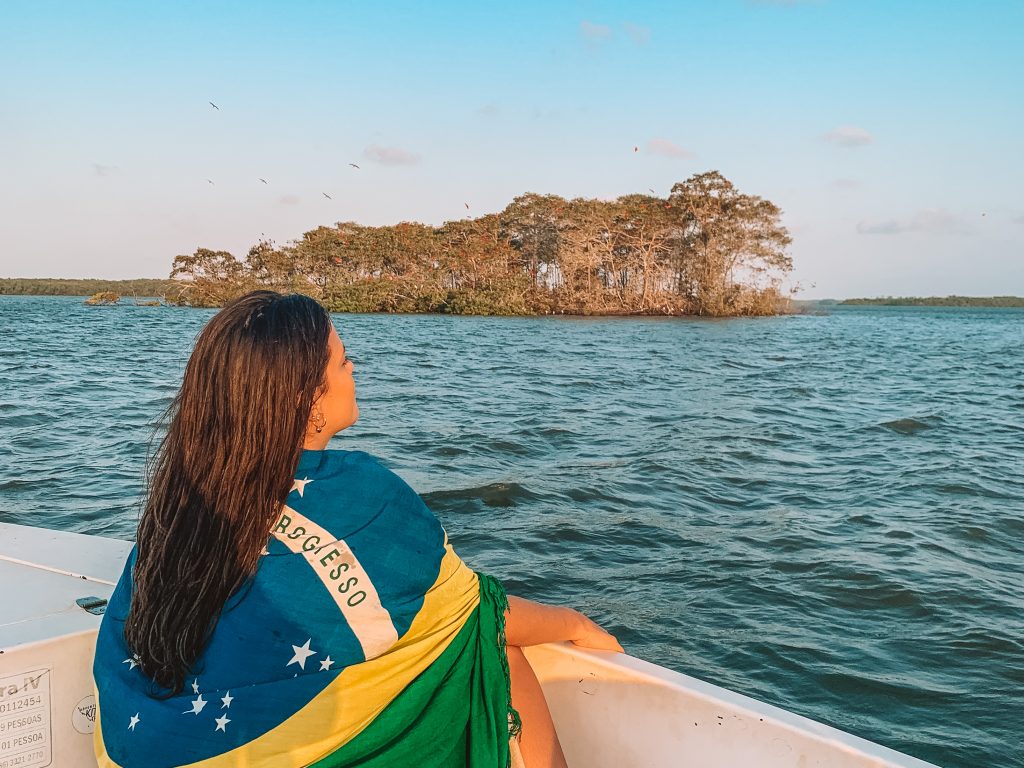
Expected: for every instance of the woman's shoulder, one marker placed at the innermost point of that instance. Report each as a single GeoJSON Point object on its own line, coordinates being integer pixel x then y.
{"type": "Point", "coordinates": [349, 465]}
{"type": "Point", "coordinates": [352, 475]}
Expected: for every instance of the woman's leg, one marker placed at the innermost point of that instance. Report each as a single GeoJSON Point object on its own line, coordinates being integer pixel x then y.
{"type": "Point", "coordinates": [539, 742]}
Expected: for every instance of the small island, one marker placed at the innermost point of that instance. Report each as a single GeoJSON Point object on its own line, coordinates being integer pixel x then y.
{"type": "Point", "coordinates": [103, 298]}
{"type": "Point", "coordinates": [705, 249]}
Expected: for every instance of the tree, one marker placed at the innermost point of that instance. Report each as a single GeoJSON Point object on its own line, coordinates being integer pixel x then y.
{"type": "Point", "coordinates": [271, 267]}
{"type": "Point", "coordinates": [729, 243]}
{"type": "Point", "coordinates": [480, 268]}
{"type": "Point", "coordinates": [531, 224]}
{"type": "Point", "coordinates": [210, 278]}
{"type": "Point", "coordinates": [640, 234]}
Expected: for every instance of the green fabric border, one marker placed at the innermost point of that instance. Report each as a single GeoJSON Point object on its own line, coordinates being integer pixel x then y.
{"type": "Point", "coordinates": [457, 713]}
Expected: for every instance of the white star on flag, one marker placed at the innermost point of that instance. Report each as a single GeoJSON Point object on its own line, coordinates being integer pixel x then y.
{"type": "Point", "coordinates": [227, 698]}
{"type": "Point", "coordinates": [133, 721]}
{"type": "Point", "coordinates": [195, 685]}
{"type": "Point", "coordinates": [300, 485]}
{"type": "Point", "coordinates": [302, 653]}
{"type": "Point", "coordinates": [197, 706]}
{"type": "Point", "coordinates": [222, 723]}
{"type": "Point", "coordinates": [326, 664]}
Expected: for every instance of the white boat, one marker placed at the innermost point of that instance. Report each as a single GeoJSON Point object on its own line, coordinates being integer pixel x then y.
{"type": "Point", "coordinates": [609, 709]}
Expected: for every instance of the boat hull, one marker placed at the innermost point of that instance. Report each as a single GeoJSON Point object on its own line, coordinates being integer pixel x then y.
{"type": "Point", "coordinates": [609, 709]}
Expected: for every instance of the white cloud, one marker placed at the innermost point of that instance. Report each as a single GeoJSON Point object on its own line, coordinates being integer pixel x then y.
{"type": "Point", "coordinates": [545, 114]}
{"type": "Point", "coordinates": [666, 148]}
{"type": "Point", "coordinates": [390, 155]}
{"type": "Point", "coordinates": [887, 227]}
{"type": "Point", "coordinates": [849, 136]}
{"type": "Point", "coordinates": [595, 32]}
{"type": "Point", "coordinates": [489, 110]}
{"type": "Point", "coordinates": [638, 34]}
{"type": "Point", "coordinates": [930, 221]}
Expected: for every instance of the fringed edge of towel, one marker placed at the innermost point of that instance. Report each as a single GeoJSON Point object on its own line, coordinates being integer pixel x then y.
{"type": "Point", "coordinates": [495, 592]}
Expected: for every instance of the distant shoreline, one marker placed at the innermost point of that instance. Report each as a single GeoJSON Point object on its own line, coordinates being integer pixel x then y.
{"type": "Point", "coordinates": [934, 301]}
{"type": "Point", "coordinates": [56, 286]}
{"type": "Point", "coordinates": [151, 287]}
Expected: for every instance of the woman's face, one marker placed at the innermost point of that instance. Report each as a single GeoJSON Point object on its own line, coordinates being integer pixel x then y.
{"type": "Point", "coordinates": [338, 402]}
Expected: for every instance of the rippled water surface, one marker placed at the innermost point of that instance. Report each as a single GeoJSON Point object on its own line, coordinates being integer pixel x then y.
{"type": "Point", "coordinates": [822, 512]}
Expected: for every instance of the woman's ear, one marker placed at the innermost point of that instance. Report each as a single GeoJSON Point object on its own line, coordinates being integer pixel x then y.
{"type": "Point", "coordinates": [317, 394]}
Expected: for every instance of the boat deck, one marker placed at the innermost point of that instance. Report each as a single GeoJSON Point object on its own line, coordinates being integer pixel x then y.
{"type": "Point", "coordinates": [44, 572]}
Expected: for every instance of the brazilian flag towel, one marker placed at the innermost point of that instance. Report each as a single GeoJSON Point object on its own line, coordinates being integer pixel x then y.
{"type": "Point", "coordinates": [362, 640]}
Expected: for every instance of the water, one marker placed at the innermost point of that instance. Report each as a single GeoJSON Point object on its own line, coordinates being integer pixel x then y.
{"type": "Point", "coordinates": [822, 512]}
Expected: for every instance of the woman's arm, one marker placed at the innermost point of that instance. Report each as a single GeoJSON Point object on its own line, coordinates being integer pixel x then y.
{"type": "Point", "coordinates": [530, 623]}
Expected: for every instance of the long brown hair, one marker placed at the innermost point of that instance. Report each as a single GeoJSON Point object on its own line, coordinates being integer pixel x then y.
{"type": "Point", "coordinates": [218, 479]}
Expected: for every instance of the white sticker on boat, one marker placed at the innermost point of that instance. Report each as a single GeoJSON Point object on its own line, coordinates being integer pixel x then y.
{"type": "Point", "coordinates": [25, 735]}
{"type": "Point", "coordinates": [83, 716]}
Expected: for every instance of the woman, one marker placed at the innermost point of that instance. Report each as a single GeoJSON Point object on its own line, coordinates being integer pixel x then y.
{"type": "Point", "coordinates": [289, 605]}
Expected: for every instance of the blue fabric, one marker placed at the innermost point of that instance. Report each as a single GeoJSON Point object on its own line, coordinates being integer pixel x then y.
{"type": "Point", "coordinates": [255, 670]}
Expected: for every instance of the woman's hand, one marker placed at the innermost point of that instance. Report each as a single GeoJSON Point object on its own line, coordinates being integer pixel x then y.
{"type": "Point", "coordinates": [589, 635]}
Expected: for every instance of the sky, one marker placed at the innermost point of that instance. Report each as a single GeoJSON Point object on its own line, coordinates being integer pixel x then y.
{"type": "Point", "coordinates": [889, 132]}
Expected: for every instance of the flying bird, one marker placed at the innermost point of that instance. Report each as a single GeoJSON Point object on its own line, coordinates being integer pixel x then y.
{"type": "Point", "coordinates": [467, 206]}
{"type": "Point", "coordinates": [651, 191]}
{"type": "Point", "coordinates": [353, 165]}
{"type": "Point", "coordinates": [211, 182]}
{"type": "Point", "coordinates": [263, 180]}
{"type": "Point", "coordinates": [326, 195]}
{"type": "Point", "coordinates": [636, 149]}
{"type": "Point", "coordinates": [213, 105]}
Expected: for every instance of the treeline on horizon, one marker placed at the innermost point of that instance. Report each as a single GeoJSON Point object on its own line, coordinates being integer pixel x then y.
{"type": "Point", "coordinates": [938, 301]}
{"type": "Point", "coordinates": [49, 286]}
{"type": "Point", "coordinates": [706, 249]}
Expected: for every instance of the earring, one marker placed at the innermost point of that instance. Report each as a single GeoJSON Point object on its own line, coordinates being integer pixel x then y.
{"type": "Point", "coordinates": [319, 421]}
